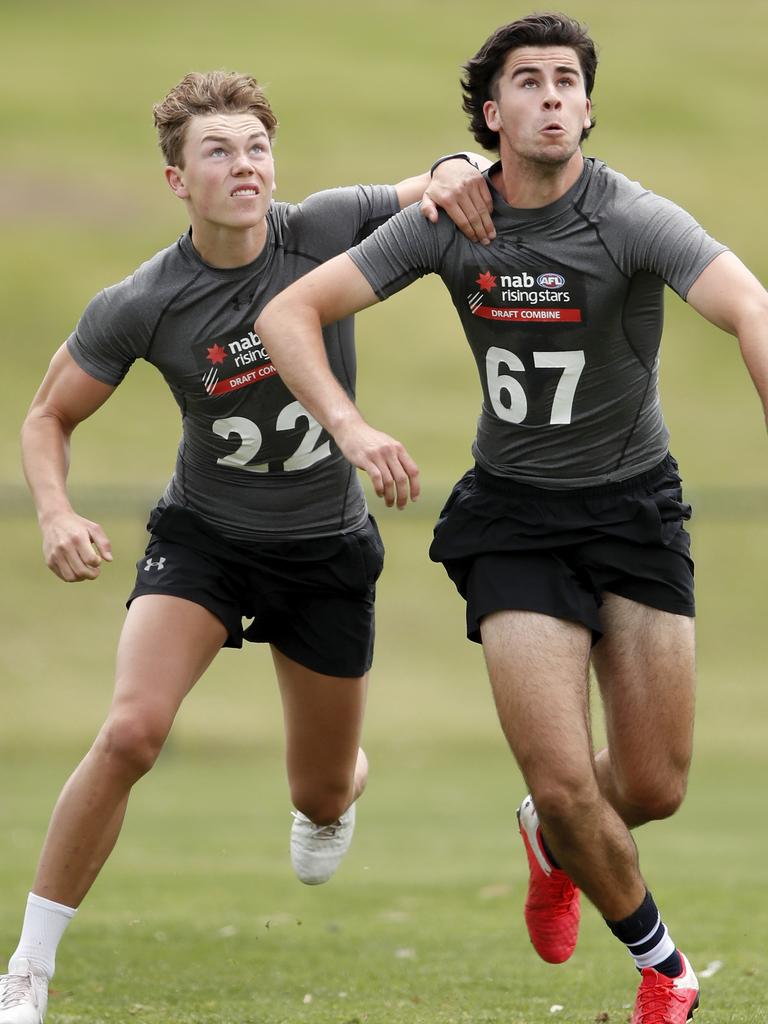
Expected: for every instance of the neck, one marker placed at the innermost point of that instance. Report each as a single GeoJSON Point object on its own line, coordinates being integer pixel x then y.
{"type": "Point", "coordinates": [528, 184]}
{"type": "Point", "coordinates": [226, 247]}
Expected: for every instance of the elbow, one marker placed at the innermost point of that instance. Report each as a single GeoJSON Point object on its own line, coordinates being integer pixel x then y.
{"type": "Point", "coordinates": [282, 318]}
{"type": "Point", "coordinates": [43, 420]}
{"type": "Point", "coordinates": [275, 312]}
{"type": "Point", "coordinates": [261, 326]}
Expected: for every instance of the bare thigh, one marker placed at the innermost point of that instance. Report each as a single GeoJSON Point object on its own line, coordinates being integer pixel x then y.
{"type": "Point", "coordinates": [538, 670]}
{"type": "Point", "coordinates": [645, 665]}
{"type": "Point", "coordinates": [323, 725]}
{"type": "Point", "coordinates": [166, 644]}
{"type": "Point", "coordinates": [538, 665]}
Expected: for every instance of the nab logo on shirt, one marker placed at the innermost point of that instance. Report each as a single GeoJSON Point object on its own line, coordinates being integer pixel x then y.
{"type": "Point", "coordinates": [521, 295]}
{"type": "Point", "coordinates": [228, 365]}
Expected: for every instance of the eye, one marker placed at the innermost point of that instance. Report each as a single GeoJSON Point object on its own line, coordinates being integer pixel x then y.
{"type": "Point", "coordinates": [217, 151]}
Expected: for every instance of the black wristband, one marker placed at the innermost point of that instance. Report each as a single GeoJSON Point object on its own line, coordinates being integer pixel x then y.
{"type": "Point", "coordinates": [450, 156]}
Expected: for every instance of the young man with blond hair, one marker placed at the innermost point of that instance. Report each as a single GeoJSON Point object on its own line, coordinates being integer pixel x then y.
{"type": "Point", "coordinates": [567, 537]}
{"type": "Point", "coordinates": [263, 519]}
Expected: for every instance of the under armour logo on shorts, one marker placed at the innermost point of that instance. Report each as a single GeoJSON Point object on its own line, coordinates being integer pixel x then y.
{"type": "Point", "coordinates": [154, 565]}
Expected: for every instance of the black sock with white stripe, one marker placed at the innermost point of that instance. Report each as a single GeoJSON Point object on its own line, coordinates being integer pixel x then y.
{"type": "Point", "coordinates": [646, 937]}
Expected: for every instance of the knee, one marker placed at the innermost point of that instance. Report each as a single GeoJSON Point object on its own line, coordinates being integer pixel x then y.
{"type": "Point", "coordinates": [563, 803]}
{"type": "Point", "coordinates": [653, 800]}
{"type": "Point", "coordinates": [322, 804]}
{"type": "Point", "coordinates": [131, 742]}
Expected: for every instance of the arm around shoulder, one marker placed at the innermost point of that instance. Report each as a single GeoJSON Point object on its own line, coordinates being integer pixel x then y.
{"type": "Point", "coordinates": [290, 328]}
{"type": "Point", "coordinates": [456, 184]}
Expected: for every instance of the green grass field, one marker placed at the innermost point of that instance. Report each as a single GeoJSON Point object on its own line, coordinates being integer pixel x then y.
{"type": "Point", "coordinates": [197, 916]}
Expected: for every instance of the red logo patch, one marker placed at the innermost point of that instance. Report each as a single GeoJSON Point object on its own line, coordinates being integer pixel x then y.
{"type": "Point", "coordinates": [216, 354]}
{"type": "Point", "coordinates": [486, 280]}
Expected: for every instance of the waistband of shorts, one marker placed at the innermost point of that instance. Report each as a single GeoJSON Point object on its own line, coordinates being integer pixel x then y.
{"type": "Point", "coordinates": [507, 486]}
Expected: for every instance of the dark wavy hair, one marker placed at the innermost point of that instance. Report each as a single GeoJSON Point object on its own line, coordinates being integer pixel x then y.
{"type": "Point", "coordinates": [482, 71]}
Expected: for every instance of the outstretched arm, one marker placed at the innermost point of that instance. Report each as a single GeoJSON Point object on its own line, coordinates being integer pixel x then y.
{"type": "Point", "coordinates": [457, 186]}
{"type": "Point", "coordinates": [74, 547]}
{"type": "Point", "coordinates": [290, 328]}
{"type": "Point", "coordinates": [732, 298]}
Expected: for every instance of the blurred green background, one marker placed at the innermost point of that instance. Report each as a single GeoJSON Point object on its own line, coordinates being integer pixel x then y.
{"type": "Point", "coordinates": [366, 92]}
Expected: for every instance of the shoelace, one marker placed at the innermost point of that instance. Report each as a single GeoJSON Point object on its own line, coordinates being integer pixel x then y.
{"type": "Point", "coordinates": [653, 1001]}
{"type": "Point", "coordinates": [15, 989]}
{"type": "Point", "coordinates": [560, 896]}
{"type": "Point", "coordinates": [321, 831]}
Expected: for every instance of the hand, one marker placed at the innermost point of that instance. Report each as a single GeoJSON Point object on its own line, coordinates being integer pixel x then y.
{"type": "Point", "coordinates": [393, 473]}
{"type": "Point", "coordinates": [461, 190]}
{"type": "Point", "coordinates": [74, 547]}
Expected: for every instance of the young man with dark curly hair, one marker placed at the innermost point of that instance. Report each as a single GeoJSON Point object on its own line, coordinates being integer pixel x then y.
{"type": "Point", "coordinates": [567, 536]}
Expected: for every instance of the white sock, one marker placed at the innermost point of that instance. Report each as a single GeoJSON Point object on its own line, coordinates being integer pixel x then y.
{"type": "Point", "coordinates": [44, 924]}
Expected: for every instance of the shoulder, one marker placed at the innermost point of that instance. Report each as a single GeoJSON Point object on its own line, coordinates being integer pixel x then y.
{"type": "Point", "coordinates": [607, 190]}
{"type": "Point", "coordinates": [151, 279]}
{"type": "Point", "coordinates": [612, 196]}
{"type": "Point", "coordinates": [348, 197]}
{"type": "Point", "coordinates": [412, 223]}
{"type": "Point", "coordinates": [331, 221]}
{"type": "Point", "coordinates": [136, 303]}
{"type": "Point", "coordinates": [407, 243]}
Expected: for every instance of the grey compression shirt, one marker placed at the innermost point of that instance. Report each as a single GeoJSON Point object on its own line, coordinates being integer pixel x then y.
{"type": "Point", "coordinates": [563, 313]}
{"type": "Point", "coordinates": [251, 460]}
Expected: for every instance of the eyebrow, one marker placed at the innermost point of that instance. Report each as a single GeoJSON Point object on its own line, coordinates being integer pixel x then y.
{"type": "Point", "coordinates": [227, 138]}
{"type": "Point", "coordinates": [570, 69]}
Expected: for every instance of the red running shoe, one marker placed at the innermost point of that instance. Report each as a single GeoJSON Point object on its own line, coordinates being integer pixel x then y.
{"type": "Point", "coordinates": [663, 1000]}
{"type": "Point", "coordinates": [552, 911]}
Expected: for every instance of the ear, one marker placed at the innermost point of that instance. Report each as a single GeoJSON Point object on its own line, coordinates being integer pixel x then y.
{"type": "Point", "coordinates": [175, 178]}
{"type": "Point", "coordinates": [587, 116]}
{"type": "Point", "coordinates": [491, 115]}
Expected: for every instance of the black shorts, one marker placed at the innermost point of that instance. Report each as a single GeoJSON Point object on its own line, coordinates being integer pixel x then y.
{"type": "Point", "coordinates": [313, 599]}
{"type": "Point", "coordinates": [508, 545]}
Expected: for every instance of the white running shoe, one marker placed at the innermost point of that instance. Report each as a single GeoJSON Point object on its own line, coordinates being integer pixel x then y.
{"type": "Point", "coordinates": [23, 995]}
{"type": "Point", "coordinates": [317, 850]}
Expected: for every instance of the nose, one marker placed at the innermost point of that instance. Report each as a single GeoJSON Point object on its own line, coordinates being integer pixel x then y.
{"type": "Point", "coordinates": [551, 100]}
{"type": "Point", "coordinates": [242, 164]}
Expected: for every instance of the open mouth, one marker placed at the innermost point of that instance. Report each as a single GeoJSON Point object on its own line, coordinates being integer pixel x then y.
{"type": "Point", "coordinates": [244, 191]}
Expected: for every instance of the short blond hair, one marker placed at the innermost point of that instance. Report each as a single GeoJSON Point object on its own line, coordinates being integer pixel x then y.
{"type": "Point", "coordinates": [210, 92]}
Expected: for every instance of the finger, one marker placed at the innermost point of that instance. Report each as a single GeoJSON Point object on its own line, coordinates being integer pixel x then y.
{"type": "Point", "coordinates": [414, 478]}
{"type": "Point", "coordinates": [486, 229]}
{"type": "Point", "coordinates": [480, 219]}
{"type": "Point", "coordinates": [385, 474]}
{"type": "Point", "coordinates": [388, 487]}
{"type": "Point", "coordinates": [81, 558]}
{"type": "Point", "coordinates": [377, 479]}
{"type": "Point", "coordinates": [401, 486]}
{"type": "Point", "coordinates": [80, 569]}
{"type": "Point", "coordinates": [473, 220]}
{"type": "Point", "coordinates": [428, 209]}
{"type": "Point", "coordinates": [459, 214]}
{"type": "Point", "coordinates": [71, 570]}
{"type": "Point", "coordinates": [405, 474]}
{"type": "Point", "coordinates": [101, 542]}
